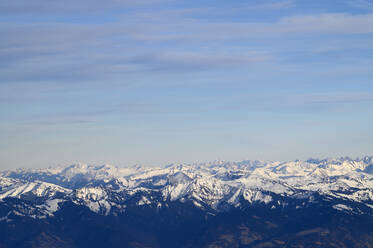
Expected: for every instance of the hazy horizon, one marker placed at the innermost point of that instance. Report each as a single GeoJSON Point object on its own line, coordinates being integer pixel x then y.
{"type": "Point", "coordinates": [59, 165]}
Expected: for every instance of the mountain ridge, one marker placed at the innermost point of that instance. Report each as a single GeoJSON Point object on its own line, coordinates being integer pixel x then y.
{"type": "Point", "coordinates": [213, 184]}
{"type": "Point", "coordinates": [313, 203]}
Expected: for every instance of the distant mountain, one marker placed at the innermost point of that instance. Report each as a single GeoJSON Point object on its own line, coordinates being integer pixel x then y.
{"type": "Point", "coordinates": [313, 203]}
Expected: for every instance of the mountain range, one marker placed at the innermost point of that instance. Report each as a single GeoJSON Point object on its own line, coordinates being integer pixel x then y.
{"type": "Point", "coordinates": [312, 203]}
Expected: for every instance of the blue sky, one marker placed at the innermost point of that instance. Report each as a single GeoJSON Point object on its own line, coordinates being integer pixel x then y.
{"type": "Point", "coordinates": [163, 81]}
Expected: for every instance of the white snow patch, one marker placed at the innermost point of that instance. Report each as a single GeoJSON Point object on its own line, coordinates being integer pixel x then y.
{"type": "Point", "coordinates": [53, 205]}
{"type": "Point", "coordinates": [342, 207]}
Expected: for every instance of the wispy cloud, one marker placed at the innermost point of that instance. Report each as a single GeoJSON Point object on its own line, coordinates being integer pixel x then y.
{"type": "Point", "coordinates": [316, 102]}
{"type": "Point", "coordinates": [363, 4]}
{"type": "Point", "coordinates": [275, 5]}
{"type": "Point", "coordinates": [302, 103]}
{"type": "Point", "coordinates": [56, 51]}
{"type": "Point", "coordinates": [40, 6]}
{"type": "Point", "coordinates": [331, 100]}
{"type": "Point", "coordinates": [327, 24]}
{"type": "Point", "coordinates": [92, 52]}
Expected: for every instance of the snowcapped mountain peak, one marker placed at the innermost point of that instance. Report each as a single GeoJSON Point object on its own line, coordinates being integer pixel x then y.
{"type": "Point", "coordinates": [178, 178]}
{"type": "Point", "coordinates": [107, 188]}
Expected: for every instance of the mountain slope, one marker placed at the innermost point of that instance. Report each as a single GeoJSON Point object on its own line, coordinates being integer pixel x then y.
{"type": "Point", "coordinates": [325, 203]}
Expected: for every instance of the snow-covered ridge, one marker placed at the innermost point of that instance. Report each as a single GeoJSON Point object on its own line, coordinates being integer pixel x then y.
{"type": "Point", "coordinates": [106, 189]}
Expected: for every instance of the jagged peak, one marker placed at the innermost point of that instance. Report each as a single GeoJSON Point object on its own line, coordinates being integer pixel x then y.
{"type": "Point", "coordinates": [209, 184]}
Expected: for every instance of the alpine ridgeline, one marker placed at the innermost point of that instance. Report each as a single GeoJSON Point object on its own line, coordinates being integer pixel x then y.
{"type": "Point", "coordinates": [313, 203]}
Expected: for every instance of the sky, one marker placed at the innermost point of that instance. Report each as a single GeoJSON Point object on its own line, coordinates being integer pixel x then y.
{"type": "Point", "coordinates": [168, 81]}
